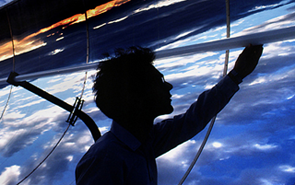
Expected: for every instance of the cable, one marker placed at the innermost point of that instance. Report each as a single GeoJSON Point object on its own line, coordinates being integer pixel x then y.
{"type": "Point", "coordinates": [199, 152]}
{"type": "Point", "coordinates": [87, 52]}
{"type": "Point", "coordinates": [13, 64]}
{"type": "Point", "coordinates": [12, 41]}
{"type": "Point", "coordinates": [4, 109]}
{"type": "Point", "coordinates": [45, 157]}
{"type": "Point", "coordinates": [85, 79]}
{"type": "Point", "coordinates": [214, 118]}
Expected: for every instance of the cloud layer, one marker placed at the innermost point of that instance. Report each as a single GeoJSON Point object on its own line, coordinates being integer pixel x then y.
{"type": "Point", "coordinates": [252, 141]}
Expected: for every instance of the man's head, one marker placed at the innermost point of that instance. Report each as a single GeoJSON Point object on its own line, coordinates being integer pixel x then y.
{"type": "Point", "coordinates": [128, 85]}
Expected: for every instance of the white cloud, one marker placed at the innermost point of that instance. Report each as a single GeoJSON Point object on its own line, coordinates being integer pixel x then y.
{"type": "Point", "coordinates": [61, 87]}
{"type": "Point", "coordinates": [91, 110]}
{"type": "Point", "coordinates": [56, 51]}
{"type": "Point", "coordinates": [277, 49]}
{"type": "Point", "coordinates": [70, 158]}
{"type": "Point", "coordinates": [69, 144]}
{"type": "Point", "coordinates": [99, 26]}
{"type": "Point", "coordinates": [177, 96]}
{"type": "Point", "coordinates": [4, 2]}
{"type": "Point", "coordinates": [72, 81]}
{"type": "Point", "coordinates": [287, 168]}
{"type": "Point", "coordinates": [10, 175]}
{"type": "Point", "coordinates": [177, 156]}
{"type": "Point", "coordinates": [183, 34]}
{"type": "Point", "coordinates": [49, 115]}
{"type": "Point", "coordinates": [5, 91]}
{"type": "Point", "coordinates": [159, 4]}
{"type": "Point", "coordinates": [228, 147]}
{"type": "Point", "coordinates": [259, 80]}
{"type": "Point", "coordinates": [110, 22]}
{"type": "Point", "coordinates": [6, 136]}
{"type": "Point", "coordinates": [14, 115]}
{"type": "Point", "coordinates": [55, 79]}
{"type": "Point", "coordinates": [202, 67]}
{"type": "Point", "coordinates": [264, 147]}
{"type": "Point", "coordinates": [15, 140]}
{"type": "Point", "coordinates": [41, 117]}
{"type": "Point", "coordinates": [265, 182]}
{"type": "Point", "coordinates": [263, 7]}
{"type": "Point", "coordinates": [217, 144]}
{"type": "Point", "coordinates": [176, 44]}
{"type": "Point", "coordinates": [275, 23]}
{"type": "Point", "coordinates": [168, 63]}
{"type": "Point", "coordinates": [282, 73]}
{"type": "Point", "coordinates": [16, 135]}
{"type": "Point", "coordinates": [104, 129]}
{"type": "Point", "coordinates": [118, 20]}
{"type": "Point", "coordinates": [29, 104]}
{"type": "Point", "coordinates": [84, 139]}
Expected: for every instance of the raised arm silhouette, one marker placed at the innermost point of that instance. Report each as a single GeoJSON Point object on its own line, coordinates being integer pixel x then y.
{"type": "Point", "coordinates": [132, 92]}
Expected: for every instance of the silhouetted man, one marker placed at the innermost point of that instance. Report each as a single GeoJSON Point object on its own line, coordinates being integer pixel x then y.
{"type": "Point", "coordinates": [132, 92]}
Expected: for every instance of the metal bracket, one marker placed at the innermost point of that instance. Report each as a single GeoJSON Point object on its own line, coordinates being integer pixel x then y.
{"type": "Point", "coordinates": [77, 106]}
{"type": "Point", "coordinates": [11, 79]}
{"type": "Point", "coordinates": [75, 111]}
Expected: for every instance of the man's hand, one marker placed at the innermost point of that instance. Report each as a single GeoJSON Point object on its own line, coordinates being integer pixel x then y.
{"type": "Point", "coordinates": [248, 60]}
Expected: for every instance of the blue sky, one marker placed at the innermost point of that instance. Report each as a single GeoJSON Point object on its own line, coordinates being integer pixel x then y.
{"type": "Point", "coordinates": [4, 2]}
{"type": "Point", "coordinates": [252, 141]}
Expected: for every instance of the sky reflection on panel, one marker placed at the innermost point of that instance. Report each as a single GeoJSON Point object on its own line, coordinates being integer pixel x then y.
{"type": "Point", "coordinates": [252, 141]}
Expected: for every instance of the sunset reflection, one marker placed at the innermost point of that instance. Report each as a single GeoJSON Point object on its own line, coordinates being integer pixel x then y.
{"type": "Point", "coordinates": [6, 51]}
{"type": "Point", "coordinates": [30, 43]}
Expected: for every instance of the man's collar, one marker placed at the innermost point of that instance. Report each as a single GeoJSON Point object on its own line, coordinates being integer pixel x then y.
{"type": "Point", "coordinates": [125, 136]}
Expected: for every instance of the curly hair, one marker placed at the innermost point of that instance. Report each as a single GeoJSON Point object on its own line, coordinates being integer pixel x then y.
{"type": "Point", "coordinates": [119, 78]}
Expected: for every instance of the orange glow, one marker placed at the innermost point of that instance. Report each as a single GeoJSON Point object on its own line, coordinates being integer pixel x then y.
{"type": "Point", "coordinates": [6, 51]}
{"type": "Point", "coordinates": [29, 43]}
{"type": "Point", "coordinates": [69, 21]}
{"type": "Point", "coordinates": [105, 7]}
{"type": "Point", "coordinates": [81, 17]}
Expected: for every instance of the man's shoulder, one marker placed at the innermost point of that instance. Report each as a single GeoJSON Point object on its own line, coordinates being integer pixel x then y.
{"type": "Point", "coordinates": [108, 144]}
{"type": "Point", "coordinates": [104, 144]}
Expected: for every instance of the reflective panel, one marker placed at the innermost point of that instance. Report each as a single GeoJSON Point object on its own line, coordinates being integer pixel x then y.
{"type": "Point", "coordinates": [253, 139]}
{"type": "Point", "coordinates": [6, 45]}
{"type": "Point", "coordinates": [43, 37]}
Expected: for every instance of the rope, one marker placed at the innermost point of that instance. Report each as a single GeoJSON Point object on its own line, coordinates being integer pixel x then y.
{"type": "Point", "coordinates": [199, 152]}
{"type": "Point", "coordinates": [214, 118]}
{"type": "Point", "coordinates": [46, 156]}
{"type": "Point", "coordinates": [13, 64]}
{"type": "Point", "coordinates": [5, 107]}
{"type": "Point", "coordinates": [83, 88]}
{"type": "Point", "coordinates": [87, 52]}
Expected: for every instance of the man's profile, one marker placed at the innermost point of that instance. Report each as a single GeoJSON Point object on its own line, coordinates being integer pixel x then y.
{"type": "Point", "coordinates": [132, 92]}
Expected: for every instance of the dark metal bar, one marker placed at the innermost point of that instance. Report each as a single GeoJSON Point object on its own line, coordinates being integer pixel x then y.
{"type": "Point", "coordinates": [83, 116]}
